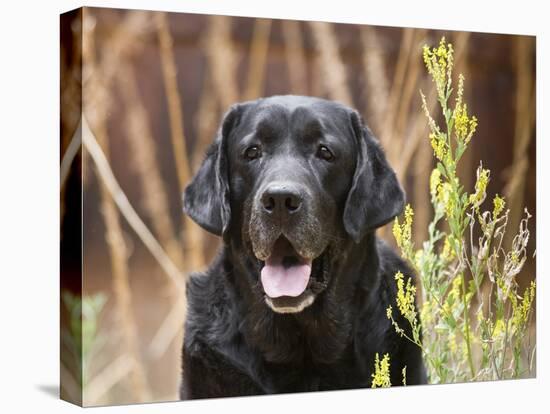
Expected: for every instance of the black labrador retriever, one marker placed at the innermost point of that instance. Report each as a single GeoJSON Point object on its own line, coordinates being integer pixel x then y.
{"type": "Point", "coordinates": [296, 298]}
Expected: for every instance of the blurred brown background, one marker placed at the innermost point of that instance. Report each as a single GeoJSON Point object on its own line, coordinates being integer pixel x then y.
{"type": "Point", "coordinates": [154, 88]}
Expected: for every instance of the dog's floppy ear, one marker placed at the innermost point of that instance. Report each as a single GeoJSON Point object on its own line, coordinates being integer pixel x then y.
{"type": "Point", "coordinates": [206, 199]}
{"type": "Point", "coordinates": [375, 196]}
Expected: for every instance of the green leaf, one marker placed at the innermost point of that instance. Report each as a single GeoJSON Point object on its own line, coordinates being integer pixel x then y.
{"type": "Point", "coordinates": [441, 169]}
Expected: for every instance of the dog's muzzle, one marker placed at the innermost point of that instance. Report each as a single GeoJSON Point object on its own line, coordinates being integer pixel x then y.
{"type": "Point", "coordinates": [283, 230]}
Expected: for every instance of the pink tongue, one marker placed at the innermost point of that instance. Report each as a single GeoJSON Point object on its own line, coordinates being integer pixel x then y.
{"type": "Point", "coordinates": [280, 281]}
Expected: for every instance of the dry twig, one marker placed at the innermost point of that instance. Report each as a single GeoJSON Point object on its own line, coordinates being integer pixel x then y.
{"type": "Point", "coordinates": [397, 85]}
{"type": "Point", "coordinates": [523, 134]}
{"type": "Point", "coordinates": [222, 60]}
{"type": "Point", "coordinates": [194, 254]}
{"type": "Point", "coordinates": [142, 144]}
{"type": "Point", "coordinates": [111, 375]}
{"type": "Point", "coordinates": [128, 212]}
{"type": "Point", "coordinates": [70, 389]}
{"type": "Point", "coordinates": [70, 153]}
{"type": "Point", "coordinates": [376, 94]}
{"type": "Point", "coordinates": [115, 238]}
{"type": "Point", "coordinates": [207, 121]}
{"type": "Point", "coordinates": [295, 56]}
{"type": "Point", "coordinates": [409, 88]}
{"type": "Point", "coordinates": [334, 71]}
{"type": "Point", "coordinates": [175, 111]}
{"type": "Point", "coordinates": [258, 59]}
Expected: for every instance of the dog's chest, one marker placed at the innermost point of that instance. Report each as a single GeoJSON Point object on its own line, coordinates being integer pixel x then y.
{"type": "Point", "coordinates": [302, 376]}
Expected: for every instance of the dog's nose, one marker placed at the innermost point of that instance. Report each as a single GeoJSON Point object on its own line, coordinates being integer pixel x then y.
{"type": "Point", "coordinates": [281, 200]}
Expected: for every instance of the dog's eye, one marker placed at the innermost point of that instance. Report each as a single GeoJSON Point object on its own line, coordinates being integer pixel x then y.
{"type": "Point", "coordinates": [324, 153]}
{"type": "Point", "coordinates": [253, 152]}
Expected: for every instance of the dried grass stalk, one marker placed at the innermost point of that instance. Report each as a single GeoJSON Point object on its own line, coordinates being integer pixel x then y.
{"type": "Point", "coordinates": [523, 134]}
{"type": "Point", "coordinates": [114, 235]}
{"type": "Point", "coordinates": [122, 293]}
{"type": "Point", "coordinates": [421, 193]}
{"type": "Point", "coordinates": [295, 56]}
{"type": "Point", "coordinates": [142, 146]}
{"type": "Point", "coordinates": [333, 69]}
{"type": "Point", "coordinates": [191, 234]}
{"type": "Point", "coordinates": [222, 61]}
{"type": "Point", "coordinates": [70, 95]}
{"type": "Point", "coordinates": [175, 111]}
{"type": "Point", "coordinates": [126, 41]}
{"type": "Point", "coordinates": [69, 389]}
{"type": "Point", "coordinates": [397, 85]}
{"type": "Point", "coordinates": [316, 85]}
{"type": "Point", "coordinates": [418, 137]}
{"type": "Point", "coordinates": [258, 59]}
{"type": "Point", "coordinates": [155, 198]}
{"type": "Point", "coordinates": [70, 154]}
{"type": "Point", "coordinates": [169, 330]}
{"type": "Point", "coordinates": [207, 121]}
{"type": "Point", "coordinates": [396, 135]}
{"type": "Point", "coordinates": [374, 66]}
{"type": "Point", "coordinates": [393, 106]}
{"type": "Point", "coordinates": [111, 375]}
{"type": "Point", "coordinates": [126, 209]}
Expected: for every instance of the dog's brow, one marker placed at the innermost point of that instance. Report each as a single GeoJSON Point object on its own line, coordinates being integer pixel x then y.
{"type": "Point", "coordinates": [266, 130]}
{"type": "Point", "coordinates": [312, 129]}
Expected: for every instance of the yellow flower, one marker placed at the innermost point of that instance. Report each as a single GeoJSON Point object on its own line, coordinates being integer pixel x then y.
{"type": "Point", "coordinates": [403, 232]}
{"type": "Point", "coordinates": [521, 310]}
{"type": "Point", "coordinates": [439, 146]}
{"type": "Point", "coordinates": [439, 62]}
{"type": "Point", "coordinates": [381, 375]}
{"type": "Point", "coordinates": [406, 297]}
{"type": "Point", "coordinates": [464, 125]}
{"type": "Point", "coordinates": [500, 328]}
{"type": "Point", "coordinates": [448, 253]}
{"type": "Point", "coordinates": [498, 203]}
{"type": "Point", "coordinates": [452, 342]}
{"type": "Point", "coordinates": [407, 226]}
{"type": "Point", "coordinates": [435, 181]}
{"type": "Point", "coordinates": [396, 230]}
{"type": "Point", "coordinates": [453, 301]}
{"type": "Point", "coordinates": [428, 313]}
{"type": "Point", "coordinates": [480, 188]}
{"type": "Point", "coordinates": [460, 92]}
{"type": "Point", "coordinates": [445, 191]}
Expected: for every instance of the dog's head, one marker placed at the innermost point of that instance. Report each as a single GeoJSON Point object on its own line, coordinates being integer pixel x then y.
{"type": "Point", "coordinates": [291, 180]}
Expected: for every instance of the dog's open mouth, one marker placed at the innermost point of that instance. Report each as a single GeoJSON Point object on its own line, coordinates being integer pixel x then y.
{"type": "Point", "coordinates": [285, 273]}
{"type": "Point", "coordinates": [286, 278]}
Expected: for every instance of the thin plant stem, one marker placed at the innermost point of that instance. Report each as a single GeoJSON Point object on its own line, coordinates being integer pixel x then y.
{"type": "Point", "coordinates": [258, 59]}
{"type": "Point", "coordinates": [397, 83]}
{"type": "Point", "coordinates": [334, 74]}
{"type": "Point", "coordinates": [128, 212]}
{"type": "Point", "coordinates": [467, 327]}
{"type": "Point", "coordinates": [194, 253]}
{"type": "Point", "coordinates": [295, 56]}
{"type": "Point", "coordinates": [114, 235]}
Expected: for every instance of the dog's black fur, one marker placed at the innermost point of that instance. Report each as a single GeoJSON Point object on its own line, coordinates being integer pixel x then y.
{"type": "Point", "coordinates": [235, 344]}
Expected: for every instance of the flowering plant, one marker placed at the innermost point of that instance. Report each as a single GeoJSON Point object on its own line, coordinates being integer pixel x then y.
{"type": "Point", "coordinates": [473, 323]}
